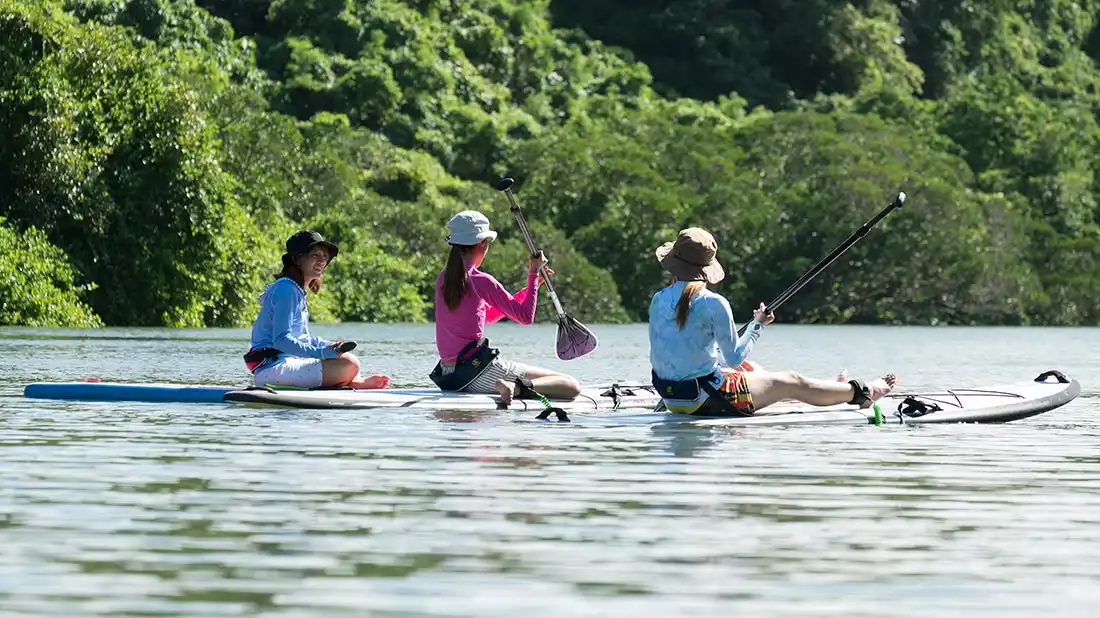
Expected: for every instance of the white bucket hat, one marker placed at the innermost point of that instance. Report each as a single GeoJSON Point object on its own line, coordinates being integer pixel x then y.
{"type": "Point", "coordinates": [469, 227]}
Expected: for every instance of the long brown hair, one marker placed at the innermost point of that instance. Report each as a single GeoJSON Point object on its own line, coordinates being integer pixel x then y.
{"type": "Point", "coordinates": [295, 274]}
{"type": "Point", "coordinates": [683, 307]}
{"type": "Point", "coordinates": [455, 279]}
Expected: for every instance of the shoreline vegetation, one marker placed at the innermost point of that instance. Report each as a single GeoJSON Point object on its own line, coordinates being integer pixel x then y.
{"type": "Point", "coordinates": [156, 153]}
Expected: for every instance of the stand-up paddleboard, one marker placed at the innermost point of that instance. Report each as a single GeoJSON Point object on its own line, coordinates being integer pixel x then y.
{"type": "Point", "coordinates": [992, 404]}
{"type": "Point", "coordinates": [989, 404]}
{"type": "Point", "coordinates": [128, 391]}
{"type": "Point", "coordinates": [593, 398]}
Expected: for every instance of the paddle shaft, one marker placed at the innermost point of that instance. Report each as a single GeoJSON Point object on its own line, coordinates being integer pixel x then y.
{"type": "Point", "coordinates": [829, 259]}
{"type": "Point", "coordinates": [534, 251]}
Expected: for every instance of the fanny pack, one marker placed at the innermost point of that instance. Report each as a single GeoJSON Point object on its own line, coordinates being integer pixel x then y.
{"type": "Point", "coordinates": [472, 361]}
{"type": "Point", "coordinates": [258, 357]}
{"type": "Point", "coordinates": [692, 390]}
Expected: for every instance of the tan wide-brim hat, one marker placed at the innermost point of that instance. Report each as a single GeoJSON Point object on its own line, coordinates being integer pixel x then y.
{"type": "Point", "coordinates": [692, 257]}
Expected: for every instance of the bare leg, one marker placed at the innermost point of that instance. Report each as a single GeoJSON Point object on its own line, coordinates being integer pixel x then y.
{"type": "Point", "coordinates": [553, 384]}
{"type": "Point", "coordinates": [841, 376]}
{"type": "Point", "coordinates": [768, 387]}
{"type": "Point", "coordinates": [344, 371]}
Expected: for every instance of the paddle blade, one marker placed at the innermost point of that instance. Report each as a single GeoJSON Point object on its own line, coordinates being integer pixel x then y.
{"type": "Point", "coordinates": [574, 338]}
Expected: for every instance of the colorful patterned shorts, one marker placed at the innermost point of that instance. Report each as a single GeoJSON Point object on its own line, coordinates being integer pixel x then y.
{"type": "Point", "coordinates": [735, 388]}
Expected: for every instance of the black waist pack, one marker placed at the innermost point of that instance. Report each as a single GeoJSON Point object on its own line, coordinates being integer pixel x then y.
{"type": "Point", "coordinates": [677, 389]}
{"type": "Point", "coordinates": [256, 357]}
{"type": "Point", "coordinates": [472, 361]}
{"type": "Point", "coordinates": [716, 403]}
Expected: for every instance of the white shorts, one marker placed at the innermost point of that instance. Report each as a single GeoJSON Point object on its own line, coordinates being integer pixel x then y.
{"type": "Point", "coordinates": [291, 371]}
{"type": "Point", "coordinates": [499, 369]}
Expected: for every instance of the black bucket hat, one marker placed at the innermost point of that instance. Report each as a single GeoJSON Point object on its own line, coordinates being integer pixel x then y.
{"type": "Point", "coordinates": [301, 242]}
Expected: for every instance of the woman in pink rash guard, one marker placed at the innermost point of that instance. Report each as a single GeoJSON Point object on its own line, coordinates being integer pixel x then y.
{"type": "Point", "coordinates": [466, 299]}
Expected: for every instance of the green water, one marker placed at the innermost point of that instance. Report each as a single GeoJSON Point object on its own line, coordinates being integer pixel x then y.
{"type": "Point", "coordinates": [132, 509]}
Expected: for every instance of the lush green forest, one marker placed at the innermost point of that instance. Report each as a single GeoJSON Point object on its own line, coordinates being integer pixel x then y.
{"type": "Point", "coordinates": [155, 154]}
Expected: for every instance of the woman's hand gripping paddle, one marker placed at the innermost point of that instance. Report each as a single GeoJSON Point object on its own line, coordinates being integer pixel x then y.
{"type": "Point", "coordinates": [574, 338]}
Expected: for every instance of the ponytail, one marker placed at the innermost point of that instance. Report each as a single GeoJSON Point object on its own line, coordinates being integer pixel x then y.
{"type": "Point", "coordinates": [455, 279]}
{"type": "Point", "coordinates": [683, 307]}
{"type": "Point", "coordinates": [289, 267]}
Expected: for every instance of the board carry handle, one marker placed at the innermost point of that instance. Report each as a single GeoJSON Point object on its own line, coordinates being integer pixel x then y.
{"type": "Point", "coordinates": [1055, 373]}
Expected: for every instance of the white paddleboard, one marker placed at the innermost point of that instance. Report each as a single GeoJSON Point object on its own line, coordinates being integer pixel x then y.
{"type": "Point", "coordinates": [998, 403]}
{"type": "Point", "coordinates": [593, 398]}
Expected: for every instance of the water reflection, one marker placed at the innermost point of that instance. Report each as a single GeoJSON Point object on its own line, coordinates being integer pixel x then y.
{"type": "Point", "coordinates": [689, 441]}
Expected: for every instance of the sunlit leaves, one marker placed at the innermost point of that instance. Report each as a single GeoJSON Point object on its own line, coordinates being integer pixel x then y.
{"type": "Point", "coordinates": [37, 284]}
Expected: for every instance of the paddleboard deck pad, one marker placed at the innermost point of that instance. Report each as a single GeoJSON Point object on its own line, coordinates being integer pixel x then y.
{"type": "Point", "coordinates": [992, 404]}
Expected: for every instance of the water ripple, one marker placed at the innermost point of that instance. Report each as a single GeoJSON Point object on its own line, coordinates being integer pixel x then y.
{"type": "Point", "coordinates": [158, 510]}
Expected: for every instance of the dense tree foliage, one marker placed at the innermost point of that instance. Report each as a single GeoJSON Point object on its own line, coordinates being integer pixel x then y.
{"type": "Point", "coordinates": [154, 154]}
{"type": "Point", "coordinates": [36, 283]}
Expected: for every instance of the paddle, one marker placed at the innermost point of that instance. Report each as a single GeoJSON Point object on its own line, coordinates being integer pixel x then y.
{"type": "Point", "coordinates": [574, 338]}
{"type": "Point", "coordinates": [829, 259]}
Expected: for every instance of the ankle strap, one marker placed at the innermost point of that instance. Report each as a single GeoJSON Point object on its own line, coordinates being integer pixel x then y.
{"type": "Point", "coordinates": [862, 394]}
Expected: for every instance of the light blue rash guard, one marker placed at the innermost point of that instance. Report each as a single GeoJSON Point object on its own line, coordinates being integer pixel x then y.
{"type": "Point", "coordinates": [708, 341]}
{"type": "Point", "coordinates": [283, 323]}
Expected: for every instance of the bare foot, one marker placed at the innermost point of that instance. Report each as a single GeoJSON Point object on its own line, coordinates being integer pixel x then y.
{"type": "Point", "coordinates": [880, 388]}
{"type": "Point", "coordinates": [505, 390]}
{"type": "Point", "coordinates": [371, 382]}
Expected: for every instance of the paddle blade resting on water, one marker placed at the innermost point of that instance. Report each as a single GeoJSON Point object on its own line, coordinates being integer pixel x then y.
{"type": "Point", "coordinates": [574, 338]}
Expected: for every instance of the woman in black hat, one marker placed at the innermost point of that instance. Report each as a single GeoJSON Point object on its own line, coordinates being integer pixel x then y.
{"type": "Point", "coordinates": [282, 351]}
{"type": "Point", "coordinates": [697, 356]}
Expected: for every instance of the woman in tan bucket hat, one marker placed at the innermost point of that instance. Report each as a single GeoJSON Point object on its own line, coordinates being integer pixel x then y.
{"type": "Point", "coordinates": [696, 355]}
